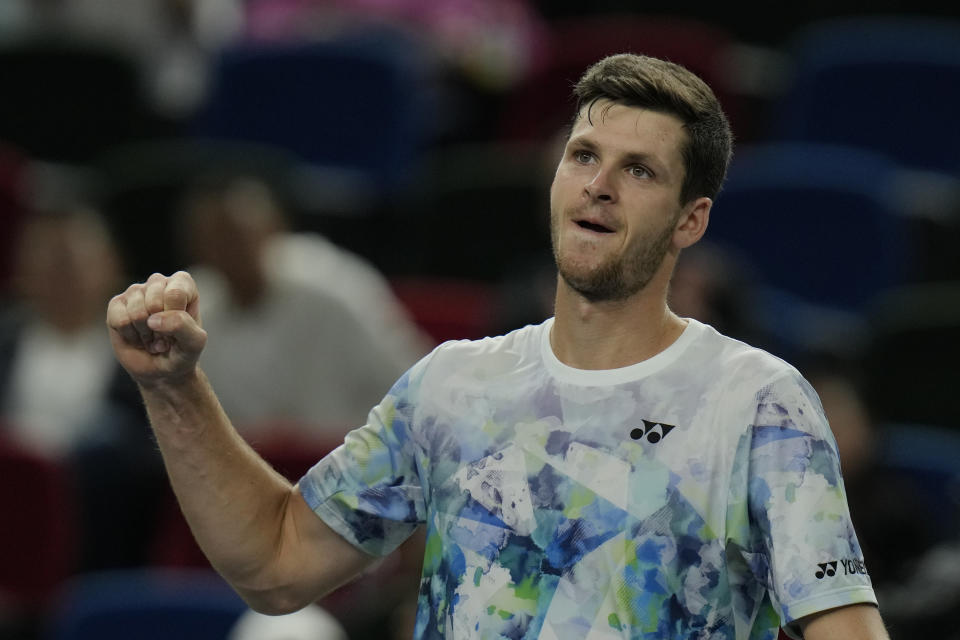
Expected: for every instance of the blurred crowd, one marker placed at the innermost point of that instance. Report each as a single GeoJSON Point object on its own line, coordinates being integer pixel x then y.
{"type": "Point", "coordinates": [352, 182]}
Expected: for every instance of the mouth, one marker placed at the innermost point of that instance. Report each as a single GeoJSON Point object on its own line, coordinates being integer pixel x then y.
{"type": "Point", "coordinates": [593, 226]}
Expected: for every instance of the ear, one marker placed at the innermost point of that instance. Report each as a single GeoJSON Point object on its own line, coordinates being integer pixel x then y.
{"type": "Point", "coordinates": [692, 223]}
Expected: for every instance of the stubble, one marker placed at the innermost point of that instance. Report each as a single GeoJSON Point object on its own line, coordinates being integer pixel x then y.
{"type": "Point", "coordinates": [620, 276]}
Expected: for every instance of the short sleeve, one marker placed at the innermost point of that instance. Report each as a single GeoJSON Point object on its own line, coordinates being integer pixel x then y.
{"type": "Point", "coordinates": [369, 488]}
{"type": "Point", "coordinates": [801, 530]}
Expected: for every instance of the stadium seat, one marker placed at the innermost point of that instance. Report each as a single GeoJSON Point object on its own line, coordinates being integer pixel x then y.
{"type": "Point", "coordinates": [147, 604]}
{"type": "Point", "coordinates": [447, 308]}
{"type": "Point", "coordinates": [817, 221]}
{"type": "Point", "coordinates": [891, 84]}
{"type": "Point", "coordinates": [39, 534]}
{"type": "Point", "coordinates": [359, 104]}
{"type": "Point", "coordinates": [543, 102]}
{"type": "Point", "coordinates": [930, 456]}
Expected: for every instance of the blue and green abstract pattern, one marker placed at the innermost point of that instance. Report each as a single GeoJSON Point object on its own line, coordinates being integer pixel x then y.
{"type": "Point", "coordinates": [693, 495]}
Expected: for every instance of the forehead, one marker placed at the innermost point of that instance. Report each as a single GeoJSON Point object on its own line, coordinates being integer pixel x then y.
{"type": "Point", "coordinates": [631, 130]}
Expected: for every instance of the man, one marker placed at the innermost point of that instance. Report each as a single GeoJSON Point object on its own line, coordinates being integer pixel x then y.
{"type": "Point", "coordinates": [616, 472]}
{"type": "Point", "coordinates": [289, 348]}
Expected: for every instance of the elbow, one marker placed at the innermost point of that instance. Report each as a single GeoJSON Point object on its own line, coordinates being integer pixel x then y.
{"type": "Point", "coordinates": [275, 594]}
{"type": "Point", "coordinates": [276, 601]}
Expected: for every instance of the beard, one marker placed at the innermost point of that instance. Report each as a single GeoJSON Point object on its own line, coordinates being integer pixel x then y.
{"type": "Point", "coordinates": [619, 277]}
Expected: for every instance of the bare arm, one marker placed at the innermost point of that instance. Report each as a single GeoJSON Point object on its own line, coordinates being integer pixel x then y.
{"type": "Point", "coordinates": [254, 527]}
{"type": "Point", "coordinates": [855, 622]}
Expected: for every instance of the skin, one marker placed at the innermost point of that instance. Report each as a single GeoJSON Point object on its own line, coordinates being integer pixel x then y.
{"type": "Point", "coordinates": [255, 528]}
{"type": "Point", "coordinates": [621, 170]}
{"type": "Point", "coordinates": [74, 244]}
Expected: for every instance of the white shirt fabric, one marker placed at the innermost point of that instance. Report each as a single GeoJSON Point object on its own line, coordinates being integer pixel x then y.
{"type": "Point", "coordinates": [298, 355]}
{"type": "Point", "coordinates": [696, 494]}
{"type": "Point", "coordinates": [311, 259]}
{"type": "Point", "coordinates": [58, 385]}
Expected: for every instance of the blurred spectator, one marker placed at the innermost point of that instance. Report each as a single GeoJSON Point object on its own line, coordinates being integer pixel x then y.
{"type": "Point", "coordinates": [56, 367]}
{"type": "Point", "coordinates": [310, 623]}
{"type": "Point", "coordinates": [60, 392]}
{"type": "Point", "coordinates": [315, 261]}
{"type": "Point", "coordinates": [299, 329]}
{"type": "Point", "coordinates": [172, 39]}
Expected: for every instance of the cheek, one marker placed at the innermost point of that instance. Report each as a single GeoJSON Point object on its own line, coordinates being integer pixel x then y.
{"type": "Point", "coordinates": [557, 189]}
{"type": "Point", "coordinates": [568, 179]}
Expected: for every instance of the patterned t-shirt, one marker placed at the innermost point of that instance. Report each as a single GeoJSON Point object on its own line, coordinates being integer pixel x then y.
{"type": "Point", "coordinates": [696, 494]}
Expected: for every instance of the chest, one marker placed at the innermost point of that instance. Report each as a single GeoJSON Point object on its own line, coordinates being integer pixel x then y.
{"type": "Point", "coordinates": [546, 453]}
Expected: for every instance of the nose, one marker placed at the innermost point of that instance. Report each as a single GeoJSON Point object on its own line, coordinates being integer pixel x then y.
{"type": "Point", "coordinates": [601, 187]}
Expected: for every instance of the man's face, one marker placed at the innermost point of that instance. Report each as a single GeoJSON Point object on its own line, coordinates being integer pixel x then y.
{"type": "Point", "coordinates": [615, 199]}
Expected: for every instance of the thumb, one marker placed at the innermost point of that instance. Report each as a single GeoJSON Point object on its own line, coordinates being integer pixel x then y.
{"type": "Point", "coordinates": [179, 326]}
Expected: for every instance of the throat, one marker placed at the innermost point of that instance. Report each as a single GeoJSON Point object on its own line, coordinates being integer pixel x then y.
{"type": "Point", "coordinates": [614, 337]}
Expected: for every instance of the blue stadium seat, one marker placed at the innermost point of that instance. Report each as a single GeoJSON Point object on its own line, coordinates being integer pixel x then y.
{"type": "Point", "coordinates": [359, 104]}
{"type": "Point", "coordinates": [886, 83]}
{"type": "Point", "coordinates": [817, 221]}
{"type": "Point", "coordinates": [147, 604]}
{"type": "Point", "coordinates": [930, 456]}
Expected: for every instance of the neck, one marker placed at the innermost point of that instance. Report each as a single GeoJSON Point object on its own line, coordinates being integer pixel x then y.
{"type": "Point", "coordinates": [612, 334]}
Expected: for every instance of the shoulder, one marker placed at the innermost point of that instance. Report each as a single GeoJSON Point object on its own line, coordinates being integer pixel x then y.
{"type": "Point", "coordinates": [517, 343]}
{"type": "Point", "coordinates": [780, 402]}
{"type": "Point", "coordinates": [736, 361]}
{"type": "Point", "coordinates": [485, 358]}
{"type": "Point", "coordinates": [750, 378]}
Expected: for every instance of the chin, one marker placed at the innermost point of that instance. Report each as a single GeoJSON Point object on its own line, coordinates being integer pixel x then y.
{"type": "Point", "coordinates": [598, 286]}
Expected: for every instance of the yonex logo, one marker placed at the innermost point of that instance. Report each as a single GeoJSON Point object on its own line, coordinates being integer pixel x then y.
{"type": "Point", "coordinates": [850, 566]}
{"type": "Point", "coordinates": [652, 432]}
{"type": "Point", "coordinates": [827, 569]}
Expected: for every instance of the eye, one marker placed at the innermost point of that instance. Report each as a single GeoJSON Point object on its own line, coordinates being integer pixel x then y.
{"type": "Point", "coordinates": [640, 171]}
{"type": "Point", "coordinates": [583, 157]}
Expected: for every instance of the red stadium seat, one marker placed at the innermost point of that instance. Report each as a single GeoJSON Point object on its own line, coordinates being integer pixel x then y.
{"type": "Point", "coordinates": [448, 308]}
{"type": "Point", "coordinates": [39, 534]}
{"type": "Point", "coordinates": [543, 103]}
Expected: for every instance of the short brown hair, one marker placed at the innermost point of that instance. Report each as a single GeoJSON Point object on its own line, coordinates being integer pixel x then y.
{"type": "Point", "coordinates": [658, 85]}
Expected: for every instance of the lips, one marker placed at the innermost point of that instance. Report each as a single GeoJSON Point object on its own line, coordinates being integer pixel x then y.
{"type": "Point", "coordinates": [594, 226]}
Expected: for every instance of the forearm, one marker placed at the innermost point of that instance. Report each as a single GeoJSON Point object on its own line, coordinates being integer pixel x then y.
{"type": "Point", "coordinates": [255, 528]}
{"type": "Point", "coordinates": [853, 622]}
{"type": "Point", "coordinates": [234, 502]}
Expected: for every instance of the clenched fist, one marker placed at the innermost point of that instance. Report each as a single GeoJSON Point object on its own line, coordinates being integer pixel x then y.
{"type": "Point", "coordinates": [155, 328]}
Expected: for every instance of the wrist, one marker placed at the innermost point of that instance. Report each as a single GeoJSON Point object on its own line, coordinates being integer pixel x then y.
{"type": "Point", "coordinates": [181, 408]}
{"type": "Point", "coordinates": [174, 389]}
